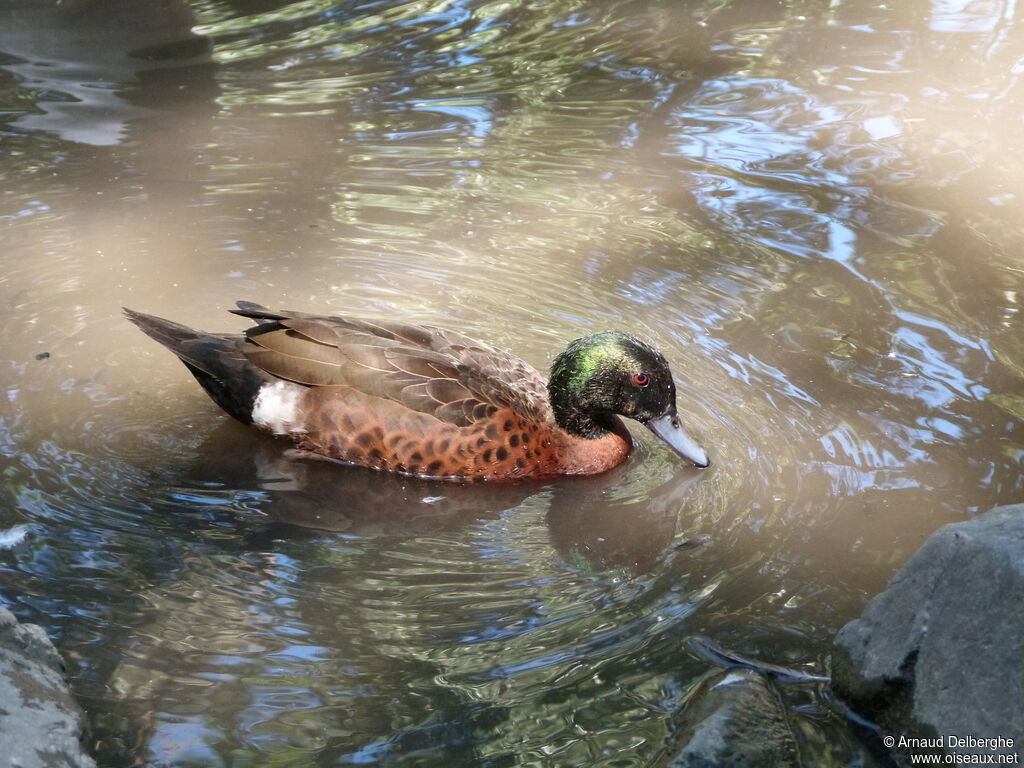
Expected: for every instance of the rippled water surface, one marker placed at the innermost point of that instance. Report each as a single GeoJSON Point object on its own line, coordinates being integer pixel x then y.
{"type": "Point", "coordinates": [813, 208]}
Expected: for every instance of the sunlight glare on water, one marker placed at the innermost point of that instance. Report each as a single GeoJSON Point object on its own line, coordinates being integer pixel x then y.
{"type": "Point", "coordinates": [812, 208]}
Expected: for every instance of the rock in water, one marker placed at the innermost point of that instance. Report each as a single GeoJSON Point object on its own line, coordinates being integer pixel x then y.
{"type": "Point", "coordinates": [40, 723]}
{"type": "Point", "coordinates": [735, 718]}
{"type": "Point", "coordinates": [941, 651]}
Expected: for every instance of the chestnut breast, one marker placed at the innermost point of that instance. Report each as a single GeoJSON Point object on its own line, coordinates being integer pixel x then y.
{"type": "Point", "coordinates": [351, 426]}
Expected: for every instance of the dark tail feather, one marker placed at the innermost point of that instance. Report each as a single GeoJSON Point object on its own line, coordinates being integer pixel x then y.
{"type": "Point", "coordinates": [180, 339]}
{"type": "Point", "coordinates": [215, 360]}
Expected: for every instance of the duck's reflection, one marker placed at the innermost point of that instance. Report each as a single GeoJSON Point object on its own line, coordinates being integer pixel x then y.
{"type": "Point", "coordinates": [301, 491]}
{"type": "Point", "coordinates": [625, 518]}
{"type": "Point", "coordinates": [479, 607]}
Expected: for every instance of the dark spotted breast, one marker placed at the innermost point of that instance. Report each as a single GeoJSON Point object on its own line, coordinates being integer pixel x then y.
{"type": "Point", "coordinates": [350, 426]}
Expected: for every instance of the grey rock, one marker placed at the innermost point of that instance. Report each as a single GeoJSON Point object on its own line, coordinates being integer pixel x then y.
{"type": "Point", "coordinates": [735, 718]}
{"type": "Point", "coordinates": [40, 723]}
{"type": "Point", "coordinates": [941, 651]}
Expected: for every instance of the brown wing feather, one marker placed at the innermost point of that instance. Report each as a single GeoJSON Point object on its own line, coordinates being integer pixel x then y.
{"type": "Point", "coordinates": [429, 370]}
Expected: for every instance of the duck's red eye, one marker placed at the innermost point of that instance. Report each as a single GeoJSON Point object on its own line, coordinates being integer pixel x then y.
{"type": "Point", "coordinates": [641, 379]}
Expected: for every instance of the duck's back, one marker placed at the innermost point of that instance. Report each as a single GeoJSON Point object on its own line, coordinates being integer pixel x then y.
{"type": "Point", "coordinates": [430, 370]}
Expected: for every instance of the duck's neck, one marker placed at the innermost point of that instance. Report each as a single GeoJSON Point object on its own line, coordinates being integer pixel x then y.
{"type": "Point", "coordinates": [582, 456]}
{"type": "Point", "coordinates": [580, 422]}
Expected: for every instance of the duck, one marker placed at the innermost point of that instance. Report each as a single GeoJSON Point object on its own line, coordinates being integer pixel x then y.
{"type": "Point", "coordinates": [426, 402]}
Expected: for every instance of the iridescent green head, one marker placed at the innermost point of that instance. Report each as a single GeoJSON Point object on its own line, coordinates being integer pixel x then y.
{"type": "Point", "coordinates": [608, 374]}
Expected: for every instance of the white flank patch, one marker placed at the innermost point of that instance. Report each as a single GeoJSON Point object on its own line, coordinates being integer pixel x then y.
{"type": "Point", "coordinates": [277, 407]}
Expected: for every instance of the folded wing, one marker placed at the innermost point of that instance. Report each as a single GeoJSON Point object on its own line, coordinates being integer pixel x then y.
{"type": "Point", "coordinates": [431, 370]}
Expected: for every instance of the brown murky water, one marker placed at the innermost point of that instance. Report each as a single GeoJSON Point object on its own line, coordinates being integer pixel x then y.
{"type": "Point", "coordinates": [814, 208]}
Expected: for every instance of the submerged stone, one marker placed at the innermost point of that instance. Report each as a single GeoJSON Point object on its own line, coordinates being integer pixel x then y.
{"type": "Point", "coordinates": [735, 718]}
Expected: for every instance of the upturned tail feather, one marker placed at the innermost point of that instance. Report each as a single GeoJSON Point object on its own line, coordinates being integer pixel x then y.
{"type": "Point", "coordinates": [216, 360]}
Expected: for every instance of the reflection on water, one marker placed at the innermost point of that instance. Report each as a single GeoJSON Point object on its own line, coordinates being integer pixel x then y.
{"type": "Point", "coordinates": [814, 208]}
